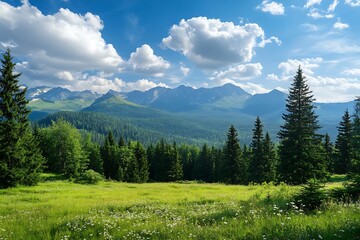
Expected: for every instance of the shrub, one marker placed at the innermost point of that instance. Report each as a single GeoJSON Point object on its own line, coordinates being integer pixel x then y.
{"type": "Point", "coordinates": [89, 177]}
{"type": "Point", "coordinates": [311, 196]}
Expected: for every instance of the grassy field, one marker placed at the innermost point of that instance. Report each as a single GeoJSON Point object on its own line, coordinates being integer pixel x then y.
{"type": "Point", "coordinates": [58, 209]}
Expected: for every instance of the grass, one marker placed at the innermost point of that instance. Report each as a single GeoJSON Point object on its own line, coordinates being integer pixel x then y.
{"type": "Point", "coordinates": [57, 209]}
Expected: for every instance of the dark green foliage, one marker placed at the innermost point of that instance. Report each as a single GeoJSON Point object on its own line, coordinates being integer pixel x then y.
{"type": "Point", "coordinates": [109, 154]}
{"type": "Point", "coordinates": [356, 138]}
{"type": "Point", "coordinates": [89, 177]}
{"type": "Point", "coordinates": [188, 155]}
{"type": "Point", "coordinates": [92, 150]}
{"type": "Point", "coordinates": [62, 149]}
{"type": "Point", "coordinates": [142, 162]}
{"type": "Point", "coordinates": [257, 162]}
{"type": "Point", "coordinates": [312, 195]}
{"type": "Point", "coordinates": [343, 145]}
{"type": "Point", "coordinates": [175, 169]}
{"type": "Point", "coordinates": [329, 153]}
{"type": "Point", "coordinates": [204, 168]}
{"type": "Point", "coordinates": [301, 153]}
{"type": "Point", "coordinates": [235, 168]}
{"type": "Point", "coordinates": [20, 158]}
{"type": "Point", "coordinates": [269, 164]}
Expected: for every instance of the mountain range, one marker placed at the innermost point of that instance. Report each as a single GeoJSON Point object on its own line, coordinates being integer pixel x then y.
{"type": "Point", "coordinates": [183, 107]}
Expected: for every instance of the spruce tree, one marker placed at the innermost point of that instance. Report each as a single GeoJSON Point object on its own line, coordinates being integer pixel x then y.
{"type": "Point", "coordinates": [269, 163]}
{"type": "Point", "coordinates": [234, 170]}
{"type": "Point", "coordinates": [329, 153]}
{"type": "Point", "coordinates": [109, 153]}
{"type": "Point", "coordinates": [20, 158]}
{"type": "Point", "coordinates": [175, 170]}
{"type": "Point", "coordinates": [343, 145]}
{"type": "Point", "coordinates": [93, 152]}
{"type": "Point", "coordinates": [257, 157]}
{"type": "Point", "coordinates": [204, 165]}
{"type": "Point", "coordinates": [301, 153]}
{"type": "Point", "coordinates": [356, 137]}
{"type": "Point", "coordinates": [142, 162]}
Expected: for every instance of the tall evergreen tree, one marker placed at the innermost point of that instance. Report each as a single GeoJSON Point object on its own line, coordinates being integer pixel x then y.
{"type": "Point", "coordinates": [269, 163]}
{"type": "Point", "coordinates": [204, 165]}
{"type": "Point", "coordinates": [356, 138]}
{"type": "Point", "coordinates": [175, 169]}
{"type": "Point", "coordinates": [257, 157]}
{"type": "Point", "coordinates": [301, 153]}
{"type": "Point", "coordinates": [109, 154]}
{"type": "Point", "coordinates": [343, 145]}
{"type": "Point", "coordinates": [20, 158]}
{"type": "Point", "coordinates": [329, 153]}
{"type": "Point", "coordinates": [234, 165]}
{"type": "Point", "coordinates": [142, 162]}
{"type": "Point", "coordinates": [93, 152]}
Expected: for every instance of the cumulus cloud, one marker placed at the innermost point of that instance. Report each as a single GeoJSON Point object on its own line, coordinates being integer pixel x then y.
{"type": "Point", "coordinates": [353, 3]}
{"type": "Point", "coordinates": [185, 70]}
{"type": "Point", "coordinates": [352, 72]}
{"type": "Point", "coordinates": [339, 25]}
{"type": "Point", "coordinates": [311, 3]}
{"type": "Point", "coordinates": [211, 44]}
{"type": "Point", "coordinates": [143, 60]}
{"type": "Point", "coordinates": [240, 72]}
{"type": "Point", "coordinates": [317, 14]}
{"type": "Point", "coordinates": [141, 85]}
{"type": "Point", "coordinates": [333, 6]}
{"type": "Point", "coordinates": [55, 46]}
{"type": "Point", "coordinates": [272, 7]}
{"type": "Point", "coordinates": [325, 89]}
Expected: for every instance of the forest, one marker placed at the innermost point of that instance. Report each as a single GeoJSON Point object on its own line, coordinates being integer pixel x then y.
{"type": "Point", "coordinates": [302, 155]}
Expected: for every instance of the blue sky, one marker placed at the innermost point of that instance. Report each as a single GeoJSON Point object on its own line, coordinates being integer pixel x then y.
{"type": "Point", "coordinates": [139, 44]}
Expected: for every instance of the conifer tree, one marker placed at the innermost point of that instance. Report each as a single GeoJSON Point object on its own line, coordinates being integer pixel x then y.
{"type": "Point", "coordinates": [301, 153]}
{"type": "Point", "coordinates": [234, 165]}
{"type": "Point", "coordinates": [269, 163]}
{"type": "Point", "coordinates": [142, 162]}
{"type": "Point", "coordinates": [329, 153]}
{"type": "Point", "coordinates": [343, 145]}
{"type": "Point", "coordinates": [109, 154]}
{"type": "Point", "coordinates": [203, 168]}
{"type": "Point", "coordinates": [175, 170]}
{"type": "Point", "coordinates": [93, 152]}
{"type": "Point", "coordinates": [20, 158]}
{"type": "Point", "coordinates": [257, 157]}
{"type": "Point", "coordinates": [356, 138]}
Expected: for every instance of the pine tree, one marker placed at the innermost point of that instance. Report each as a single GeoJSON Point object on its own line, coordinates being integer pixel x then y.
{"type": "Point", "coordinates": [329, 153]}
{"type": "Point", "coordinates": [234, 165]}
{"type": "Point", "coordinates": [257, 157]}
{"type": "Point", "coordinates": [20, 158]}
{"type": "Point", "coordinates": [343, 145]}
{"type": "Point", "coordinates": [175, 171]}
{"type": "Point", "coordinates": [203, 168]}
{"type": "Point", "coordinates": [93, 152]}
{"type": "Point", "coordinates": [269, 163]}
{"type": "Point", "coordinates": [109, 153]}
{"type": "Point", "coordinates": [301, 153]}
{"type": "Point", "coordinates": [142, 162]}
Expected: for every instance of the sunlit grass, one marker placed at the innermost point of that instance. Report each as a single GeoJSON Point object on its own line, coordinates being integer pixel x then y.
{"type": "Point", "coordinates": [58, 209]}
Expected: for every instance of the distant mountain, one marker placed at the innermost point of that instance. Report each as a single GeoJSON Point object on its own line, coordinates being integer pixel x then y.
{"type": "Point", "coordinates": [117, 106]}
{"type": "Point", "coordinates": [59, 94]}
{"type": "Point", "coordinates": [265, 105]}
{"type": "Point", "coordinates": [184, 99]}
{"type": "Point", "coordinates": [33, 93]}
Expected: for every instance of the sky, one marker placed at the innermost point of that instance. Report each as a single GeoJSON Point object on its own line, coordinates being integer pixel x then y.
{"type": "Point", "coordinates": [128, 45]}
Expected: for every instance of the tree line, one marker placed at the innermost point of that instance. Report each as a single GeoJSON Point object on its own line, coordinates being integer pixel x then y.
{"type": "Point", "coordinates": [301, 154]}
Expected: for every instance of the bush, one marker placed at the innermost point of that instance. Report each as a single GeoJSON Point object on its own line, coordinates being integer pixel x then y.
{"type": "Point", "coordinates": [89, 177]}
{"type": "Point", "coordinates": [311, 196]}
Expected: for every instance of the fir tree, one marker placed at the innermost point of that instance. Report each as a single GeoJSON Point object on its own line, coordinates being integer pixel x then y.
{"type": "Point", "coordinates": [343, 145]}
{"type": "Point", "coordinates": [142, 162]}
{"type": "Point", "coordinates": [20, 158]}
{"type": "Point", "coordinates": [269, 163]}
{"type": "Point", "coordinates": [93, 152]}
{"type": "Point", "coordinates": [356, 138]}
{"type": "Point", "coordinates": [329, 153]}
{"type": "Point", "coordinates": [175, 171]}
{"type": "Point", "coordinates": [234, 165]}
{"type": "Point", "coordinates": [109, 154]}
{"type": "Point", "coordinates": [203, 168]}
{"type": "Point", "coordinates": [257, 157]}
{"type": "Point", "coordinates": [301, 153]}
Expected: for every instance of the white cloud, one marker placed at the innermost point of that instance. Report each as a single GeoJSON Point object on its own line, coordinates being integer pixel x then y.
{"type": "Point", "coordinates": [311, 3]}
{"type": "Point", "coordinates": [353, 3]}
{"type": "Point", "coordinates": [310, 27]}
{"type": "Point", "coordinates": [333, 6]}
{"type": "Point", "coordinates": [240, 72]}
{"type": "Point", "coordinates": [251, 88]}
{"type": "Point", "coordinates": [307, 65]}
{"type": "Point", "coordinates": [210, 43]}
{"type": "Point", "coordinates": [55, 43]}
{"type": "Point", "coordinates": [185, 70]}
{"type": "Point", "coordinates": [143, 60]}
{"type": "Point", "coordinates": [352, 72]}
{"type": "Point", "coordinates": [317, 14]}
{"type": "Point", "coordinates": [272, 7]}
{"type": "Point", "coordinates": [141, 85]}
{"type": "Point", "coordinates": [65, 75]}
{"type": "Point", "coordinates": [270, 40]}
{"type": "Point", "coordinates": [339, 25]}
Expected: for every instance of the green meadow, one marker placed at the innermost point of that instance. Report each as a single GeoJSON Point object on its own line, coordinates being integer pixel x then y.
{"type": "Point", "coordinates": [58, 209]}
